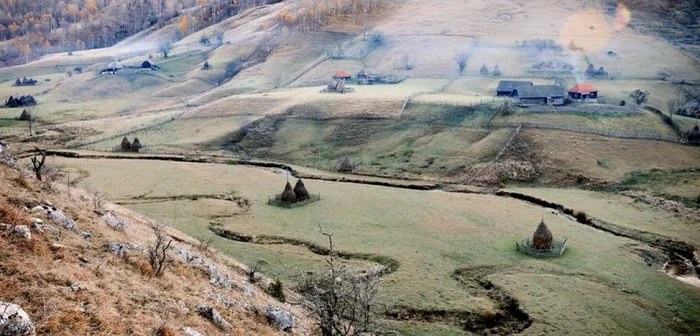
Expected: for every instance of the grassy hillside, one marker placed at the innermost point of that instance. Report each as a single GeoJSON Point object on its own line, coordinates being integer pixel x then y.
{"type": "Point", "coordinates": [433, 234]}
{"type": "Point", "coordinates": [69, 282]}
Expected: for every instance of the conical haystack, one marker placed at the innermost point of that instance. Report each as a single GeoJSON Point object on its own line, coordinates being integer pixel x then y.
{"type": "Point", "coordinates": [484, 70]}
{"type": "Point", "coordinates": [300, 191]}
{"type": "Point", "coordinates": [542, 239]}
{"type": "Point", "coordinates": [136, 145]}
{"type": "Point", "coordinates": [345, 165]}
{"type": "Point", "coordinates": [25, 115]}
{"type": "Point", "coordinates": [288, 195]}
{"type": "Point", "coordinates": [126, 144]}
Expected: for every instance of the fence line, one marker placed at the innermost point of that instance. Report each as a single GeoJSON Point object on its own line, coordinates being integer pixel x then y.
{"type": "Point", "coordinates": [498, 157]}
{"type": "Point", "coordinates": [434, 91]}
{"type": "Point", "coordinates": [615, 134]}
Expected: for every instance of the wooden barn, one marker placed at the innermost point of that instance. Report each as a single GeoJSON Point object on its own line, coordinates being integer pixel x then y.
{"type": "Point", "coordinates": [529, 95]}
{"type": "Point", "coordinates": [505, 88]}
{"type": "Point", "coordinates": [148, 64]}
{"type": "Point", "coordinates": [584, 92]}
{"type": "Point", "coordinates": [342, 75]}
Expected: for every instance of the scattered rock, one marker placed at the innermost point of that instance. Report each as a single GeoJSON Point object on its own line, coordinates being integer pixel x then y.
{"type": "Point", "coordinates": [117, 248]}
{"type": "Point", "coordinates": [56, 246]}
{"type": "Point", "coordinates": [14, 321]}
{"type": "Point", "coordinates": [39, 210]}
{"type": "Point", "coordinates": [84, 260]}
{"type": "Point", "coordinates": [22, 231]}
{"type": "Point", "coordinates": [192, 332]}
{"type": "Point", "coordinates": [215, 278]}
{"type": "Point", "coordinates": [279, 318]}
{"type": "Point", "coordinates": [75, 288]}
{"type": "Point", "coordinates": [248, 290]}
{"type": "Point", "coordinates": [86, 235]}
{"type": "Point", "coordinates": [46, 202]}
{"type": "Point", "coordinates": [183, 308]}
{"type": "Point", "coordinates": [212, 315]}
{"type": "Point", "coordinates": [114, 222]}
{"type": "Point", "coordinates": [61, 219]}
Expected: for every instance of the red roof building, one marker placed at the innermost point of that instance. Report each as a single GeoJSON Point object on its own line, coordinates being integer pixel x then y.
{"type": "Point", "coordinates": [342, 74]}
{"type": "Point", "coordinates": [583, 92]}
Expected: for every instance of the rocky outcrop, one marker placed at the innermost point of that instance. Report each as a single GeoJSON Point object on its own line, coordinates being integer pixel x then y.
{"type": "Point", "coordinates": [114, 222]}
{"type": "Point", "coordinates": [14, 321]}
{"type": "Point", "coordinates": [22, 232]}
{"type": "Point", "coordinates": [279, 318]}
{"type": "Point", "coordinates": [212, 315]}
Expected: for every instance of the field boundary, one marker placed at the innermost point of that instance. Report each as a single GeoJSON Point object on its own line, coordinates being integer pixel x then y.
{"type": "Point", "coordinates": [500, 154]}
{"type": "Point", "coordinates": [615, 134]}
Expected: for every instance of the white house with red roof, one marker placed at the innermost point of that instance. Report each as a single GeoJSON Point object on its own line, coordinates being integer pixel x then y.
{"type": "Point", "coordinates": [584, 92]}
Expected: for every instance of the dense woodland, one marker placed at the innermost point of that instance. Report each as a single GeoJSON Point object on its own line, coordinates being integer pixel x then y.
{"type": "Point", "coordinates": [33, 28]}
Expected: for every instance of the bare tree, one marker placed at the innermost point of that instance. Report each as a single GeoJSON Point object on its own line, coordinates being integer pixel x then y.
{"type": "Point", "coordinates": [408, 61]}
{"type": "Point", "coordinates": [38, 163]}
{"type": "Point", "coordinates": [219, 37]}
{"type": "Point", "coordinates": [675, 104]}
{"type": "Point", "coordinates": [158, 252]}
{"type": "Point", "coordinates": [32, 111]}
{"type": "Point", "coordinates": [461, 59]}
{"type": "Point", "coordinates": [278, 80]}
{"type": "Point", "coordinates": [341, 302]}
{"type": "Point", "coordinates": [164, 48]}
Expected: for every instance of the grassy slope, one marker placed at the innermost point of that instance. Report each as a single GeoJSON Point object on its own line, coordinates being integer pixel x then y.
{"type": "Point", "coordinates": [116, 296]}
{"type": "Point", "coordinates": [432, 234]}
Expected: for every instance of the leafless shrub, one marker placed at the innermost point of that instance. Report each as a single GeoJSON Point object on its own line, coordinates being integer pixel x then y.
{"type": "Point", "coordinates": [341, 302]}
{"type": "Point", "coordinates": [204, 243]}
{"type": "Point", "coordinates": [38, 161]}
{"type": "Point", "coordinates": [253, 270]}
{"type": "Point", "coordinates": [97, 198]}
{"type": "Point", "coordinates": [158, 252]}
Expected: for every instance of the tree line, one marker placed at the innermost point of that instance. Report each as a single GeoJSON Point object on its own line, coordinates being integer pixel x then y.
{"type": "Point", "coordinates": [29, 29]}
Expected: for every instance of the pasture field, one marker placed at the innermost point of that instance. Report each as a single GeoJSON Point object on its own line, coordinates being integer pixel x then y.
{"type": "Point", "coordinates": [167, 134]}
{"type": "Point", "coordinates": [607, 158]}
{"type": "Point", "coordinates": [643, 122]}
{"type": "Point", "coordinates": [622, 210]}
{"type": "Point", "coordinates": [428, 139]}
{"type": "Point", "coordinates": [430, 234]}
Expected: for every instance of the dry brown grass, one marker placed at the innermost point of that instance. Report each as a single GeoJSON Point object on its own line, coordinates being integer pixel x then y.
{"type": "Point", "coordinates": [115, 296]}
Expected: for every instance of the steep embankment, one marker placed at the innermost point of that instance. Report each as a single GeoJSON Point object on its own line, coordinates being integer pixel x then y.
{"type": "Point", "coordinates": [77, 271]}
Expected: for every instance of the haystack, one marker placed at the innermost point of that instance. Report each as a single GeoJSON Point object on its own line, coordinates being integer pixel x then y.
{"type": "Point", "coordinates": [136, 145]}
{"type": "Point", "coordinates": [25, 115]}
{"type": "Point", "coordinates": [288, 195]}
{"type": "Point", "coordinates": [300, 191]}
{"type": "Point", "coordinates": [542, 239]}
{"type": "Point", "coordinates": [126, 144]}
{"type": "Point", "coordinates": [496, 71]}
{"type": "Point", "coordinates": [484, 70]}
{"type": "Point", "coordinates": [346, 165]}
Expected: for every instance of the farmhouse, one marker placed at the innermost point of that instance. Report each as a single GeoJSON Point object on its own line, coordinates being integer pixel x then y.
{"type": "Point", "coordinates": [538, 95]}
{"type": "Point", "coordinates": [148, 64]}
{"type": "Point", "coordinates": [505, 88]}
{"type": "Point", "coordinates": [365, 77]}
{"type": "Point", "coordinates": [584, 92]}
{"type": "Point", "coordinates": [112, 68]}
{"type": "Point", "coordinates": [342, 75]}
